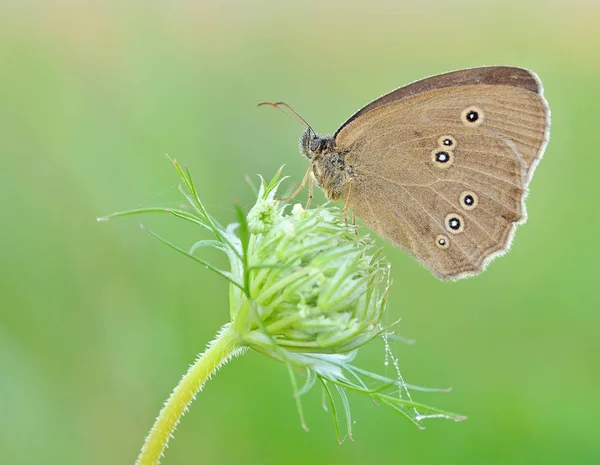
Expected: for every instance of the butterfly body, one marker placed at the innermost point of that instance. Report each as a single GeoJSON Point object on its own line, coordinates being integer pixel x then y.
{"type": "Point", "coordinates": [440, 167]}
{"type": "Point", "coordinates": [329, 169]}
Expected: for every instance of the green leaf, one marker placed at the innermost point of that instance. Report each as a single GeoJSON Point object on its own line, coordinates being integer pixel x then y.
{"type": "Point", "coordinates": [245, 240]}
{"type": "Point", "coordinates": [311, 377]}
{"type": "Point", "coordinates": [222, 273]}
{"type": "Point", "coordinates": [208, 243]}
{"type": "Point", "coordinates": [346, 405]}
{"type": "Point", "coordinates": [336, 420]}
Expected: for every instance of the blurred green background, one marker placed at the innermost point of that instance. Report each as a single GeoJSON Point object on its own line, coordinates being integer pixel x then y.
{"type": "Point", "coordinates": [98, 320]}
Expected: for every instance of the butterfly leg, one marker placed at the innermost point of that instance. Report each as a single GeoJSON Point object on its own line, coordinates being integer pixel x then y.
{"type": "Point", "coordinates": [346, 203]}
{"type": "Point", "coordinates": [310, 192]}
{"type": "Point", "coordinates": [302, 184]}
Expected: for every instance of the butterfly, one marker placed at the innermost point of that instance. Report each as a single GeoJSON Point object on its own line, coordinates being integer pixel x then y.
{"type": "Point", "coordinates": [440, 167]}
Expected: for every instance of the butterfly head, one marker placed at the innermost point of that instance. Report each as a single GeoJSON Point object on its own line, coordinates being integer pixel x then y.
{"type": "Point", "coordinates": [312, 145]}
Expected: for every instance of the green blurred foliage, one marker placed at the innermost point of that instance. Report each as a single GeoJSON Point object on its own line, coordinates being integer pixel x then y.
{"type": "Point", "coordinates": [98, 321]}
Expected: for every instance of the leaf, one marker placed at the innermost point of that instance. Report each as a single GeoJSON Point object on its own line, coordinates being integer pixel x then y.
{"type": "Point", "coordinates": [346, 405]}
{"type": "Point", "coordinates": [208, 243]}
{"type": "Point", "coordinates": [336, 421]}
{"type": "Point", "coordinates": [245, 241]}
{"type": "Point", "coordinates": [222, 273]}
{"type": "Point", "coordinates": [311, 377]}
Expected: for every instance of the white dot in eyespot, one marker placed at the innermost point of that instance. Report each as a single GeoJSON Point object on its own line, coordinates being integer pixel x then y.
{"type": "Point", "coordinates": [472, 116]}
{"type": "Point", "coordinates": [442, 241]}
{"type": "Point", "coordinates": [454, 223]}
{"type": "Point", "coordinates": [468, 200]}
{"type": "Point", "coordinates": [447, 142]}
{"type": "Point", "coordinates": [442, 158]}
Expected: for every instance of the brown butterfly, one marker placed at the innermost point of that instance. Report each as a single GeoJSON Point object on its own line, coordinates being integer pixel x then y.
{"type": "Point", "coordinates": [440, 167]}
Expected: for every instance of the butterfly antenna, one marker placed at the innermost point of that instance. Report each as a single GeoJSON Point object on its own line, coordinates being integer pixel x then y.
{"type": "Point", "coordinates": [290, 112]}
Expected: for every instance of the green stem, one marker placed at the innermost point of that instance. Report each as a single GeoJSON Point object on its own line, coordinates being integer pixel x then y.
{"type": "Point", "coordinates": [219, 352]}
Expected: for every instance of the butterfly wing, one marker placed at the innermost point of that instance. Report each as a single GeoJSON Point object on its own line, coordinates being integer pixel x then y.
{"type": "Point", "coordinates": [443, 172]}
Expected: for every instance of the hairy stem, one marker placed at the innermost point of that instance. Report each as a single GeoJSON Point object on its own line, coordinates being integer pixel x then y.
{"type": "Point", "coordinates": [219, 351]}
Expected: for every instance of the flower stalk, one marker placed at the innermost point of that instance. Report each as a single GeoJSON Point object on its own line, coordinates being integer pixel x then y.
{"type": "Point", "coordinates": [218, 352]}
{"type": "Point", "coordinates": [306, 290]}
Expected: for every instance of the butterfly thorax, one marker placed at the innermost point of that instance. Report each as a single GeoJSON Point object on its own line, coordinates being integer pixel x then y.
{"type": "Point", "coordinates": [329, 168]}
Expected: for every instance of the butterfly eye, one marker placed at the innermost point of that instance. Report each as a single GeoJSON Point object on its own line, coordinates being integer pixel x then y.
{"type": "Point", "coordinates": [442, 242]}
{"type": "Point", "coordinates": [472, 116]}
{"type": "Point", "coordinates": [442, 158]}
{"type": "Point", "coordinates": [315, 145]}
{"type": "Point", "coordinates": [447, 142]}
{"type": "Point", "coordinates": [468, 200]}
{"type": "Point", "coordinates": [454, 223]}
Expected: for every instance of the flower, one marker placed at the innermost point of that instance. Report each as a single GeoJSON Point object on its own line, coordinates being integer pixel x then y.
{"type": "Point", "coordinates": [305, 289]}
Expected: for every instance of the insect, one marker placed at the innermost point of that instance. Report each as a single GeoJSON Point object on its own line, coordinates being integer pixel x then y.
{"type": "Point", "coordinates": [440, 167]}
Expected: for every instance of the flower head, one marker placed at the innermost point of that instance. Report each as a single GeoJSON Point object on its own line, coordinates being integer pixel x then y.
{"type": "Point", "coordinates": [314, 286]}
{"type": "Point", "coordinates": [305, 289]}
